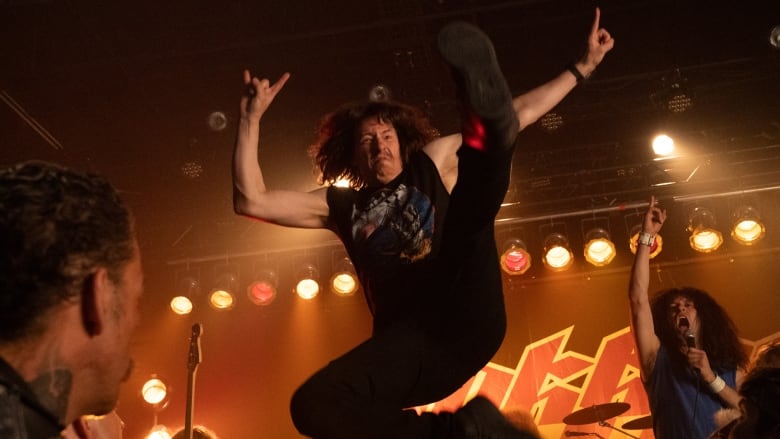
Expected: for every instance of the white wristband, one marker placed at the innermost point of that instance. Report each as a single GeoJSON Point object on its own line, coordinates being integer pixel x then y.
{"type": "Point", "coordinates": [717, 384]}
{"type": "Point", "coordinates": [647, 239]}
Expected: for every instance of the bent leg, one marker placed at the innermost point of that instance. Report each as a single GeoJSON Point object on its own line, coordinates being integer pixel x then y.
{"type": "Point", "coordinates": [363, 394]}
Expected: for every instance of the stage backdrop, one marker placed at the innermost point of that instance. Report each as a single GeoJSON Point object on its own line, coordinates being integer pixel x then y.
{"type": "Point", "coordinates": [568, 346]}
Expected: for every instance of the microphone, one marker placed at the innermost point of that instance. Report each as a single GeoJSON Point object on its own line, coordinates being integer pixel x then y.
{"type": "Point", "coordinates": [690, 338]}
{"type": "Point", "coordinates": [575, 433]}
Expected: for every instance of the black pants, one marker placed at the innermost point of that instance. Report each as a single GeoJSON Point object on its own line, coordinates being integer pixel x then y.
{"type": "Point", "coordinates": [363, 394]}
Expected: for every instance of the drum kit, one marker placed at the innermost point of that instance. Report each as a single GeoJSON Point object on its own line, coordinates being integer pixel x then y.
{"type": "Point", "coordinates": [599, 413]}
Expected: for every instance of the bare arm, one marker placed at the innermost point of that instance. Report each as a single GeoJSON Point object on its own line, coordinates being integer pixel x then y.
{"type": "Point", "coordinates": [443, 153]}
{"type": "Point", "coordinates": [250, 196]}
{"type": "Point", "coordinates": [532, 105]}
{"type": "Point", "coordinates": [697, 358]}
{"type": "Point", "coordinates": [647, 343]}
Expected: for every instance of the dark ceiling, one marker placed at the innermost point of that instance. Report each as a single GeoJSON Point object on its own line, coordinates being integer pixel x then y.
{"type": "Point", "coordinates": [125, 89]}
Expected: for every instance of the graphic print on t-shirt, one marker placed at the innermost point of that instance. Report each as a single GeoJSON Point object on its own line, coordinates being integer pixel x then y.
{"type": "Point", "coordinates": [396, 223]}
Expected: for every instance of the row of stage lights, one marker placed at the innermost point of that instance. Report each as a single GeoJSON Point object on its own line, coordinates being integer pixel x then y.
{"type": "Point", "coordinates": [262, 291]}
{"type": "Point", "coordinates": [599, 250]}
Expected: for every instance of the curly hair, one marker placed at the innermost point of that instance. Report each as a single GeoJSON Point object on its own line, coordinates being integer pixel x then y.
{"type": "Point", "coordinates": [718, 333]}
{"type": "Point", "coordinates": [57, 226]}
{"type": "Point", "coordinates": [334, 151]}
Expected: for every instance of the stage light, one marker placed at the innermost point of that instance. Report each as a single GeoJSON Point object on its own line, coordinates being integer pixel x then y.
{"type": "Point", "coordinates": [663, 145]}
{"type": "Point", "coordinates": [222, 297]}
{"type": "Point", "coordinates": [774, 37]}
{"type": "Point", "coordinates": [307, 285]}
{"type": "Point", "coordinates": [262, 291]}
{"type": "Point", "coordinates": [674, 95]}
{"type": "Point", "coordinates": [633, 242]}
{"type": "Point", "coordinates": [705, 238]}
{"type": "Point", "coordinates": [515, 260]}
{"type": "Point", "coordinates": [599, 248]}
{"type": "Point", "coordinates": [557, 254]}
{"type": "Point", "coordinates": [748, 228]}
{"type": "Point", "coordinates": [344, 281]}
{"type": "Point", "coordinates": [188, 287]}
{"type": "Point", "coordinates": [155, 392]}
{"type": "Point", "coordinates": [159, 432]}
{"type": "Point", "coordinates": [551, 122]}
{"type": "Point", "coordinates": [217, 121]}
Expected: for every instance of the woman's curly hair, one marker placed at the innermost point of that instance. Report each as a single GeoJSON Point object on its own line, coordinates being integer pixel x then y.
{"type": "Point", "coordinates": [718, 333]}
{"type": "Point", "coordinates": [334, 151]}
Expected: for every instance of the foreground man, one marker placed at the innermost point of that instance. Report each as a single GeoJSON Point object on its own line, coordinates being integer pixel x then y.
{"type": "Point", "coordinates": [70, 281]}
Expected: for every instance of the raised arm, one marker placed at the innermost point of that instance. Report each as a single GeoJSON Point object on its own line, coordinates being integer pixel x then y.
{"type": "Point", "coordinates": [647, 343]}
{"type": "Point", "coordinates": [529, 106]}
{"type": "Point", "coordinates": [250, 196]}
{"type": "Point", "coordinates": [532, 105]}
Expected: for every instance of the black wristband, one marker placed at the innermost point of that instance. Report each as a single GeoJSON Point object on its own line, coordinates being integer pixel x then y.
{"type": "Point", "coordinates": [577, 74]}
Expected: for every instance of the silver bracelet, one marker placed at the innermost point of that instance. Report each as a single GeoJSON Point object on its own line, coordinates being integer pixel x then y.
{"type": "Point", "coordinates": [647, 239]}
{"type": "Point", "coordinates": [717, 384]}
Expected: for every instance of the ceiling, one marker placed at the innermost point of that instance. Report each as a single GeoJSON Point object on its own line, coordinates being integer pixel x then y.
{"type": "Point", "coordinates": [126, 89]}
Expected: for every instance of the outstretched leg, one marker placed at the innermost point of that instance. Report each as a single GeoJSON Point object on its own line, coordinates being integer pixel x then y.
{"type": "Point", "coordinates": [489, 131]}
{"type": "Point", "coordinates": [489, 120]}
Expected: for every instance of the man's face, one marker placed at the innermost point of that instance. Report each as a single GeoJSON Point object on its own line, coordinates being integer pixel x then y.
{"type": "Point", "coordinates": [683, 316]}
{"type": "Point", "coordinates": [378, 152]}
{"type": "Point", "coordinates": [121, 320]}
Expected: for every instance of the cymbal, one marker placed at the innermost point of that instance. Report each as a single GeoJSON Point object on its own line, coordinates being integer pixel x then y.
{"type": "Point", "coordinates": [596, 413]}
{"type": "Point", "coordinates": [639, 423]}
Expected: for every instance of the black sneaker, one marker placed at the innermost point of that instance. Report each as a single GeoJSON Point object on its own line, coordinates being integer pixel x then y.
{"type": "Point", "coordinates": [482, 88]}
{"type": "Point", "coordinates": [472, 57]}
{"type": "Point", "coordinates": [480, 419]}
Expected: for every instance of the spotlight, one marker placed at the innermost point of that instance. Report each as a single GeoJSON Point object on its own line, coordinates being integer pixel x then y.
{"type": "Point", "coordinates": [633, 242]}
{"type": "Point", "coordinates": [557, 254]}
{"type": "Point", "coordinates": [599, 248]}
{"type": "Point", "coordinates": [674, 94]}
{"type": "Point", "coordinates": [155, 392]}
{"type": "Point", "coordinates": [663, 145]}
{"type": "Point", "coordinates": [307, 285]}
{"type": "Point", "coordinates": [774, 37]}
{"type": "Point", "coordinates": [222, 297]}
{"type": "Point", "coordinates": [158, 432]}
{"type": "Point", "coordinates": [262, 291]}
{"type": "Point", "coordinates": [379, 93]}
{"type": "Point", "coordinates": [748, 228]}
{"type": "Point", "coordinates": [704, 237]}
{"type": "Point", "coordinates": [551, 122]}
{"type": "Point", "coordinates": [217, 121]}
{"type": "Point", "coordinates": [344, 281]}
{"type": "Point", "coordinates": [188, 287]}
{"type": "Point", "coordinates": [515, 260]}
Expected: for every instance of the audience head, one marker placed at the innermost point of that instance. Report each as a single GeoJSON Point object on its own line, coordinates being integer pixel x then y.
{"type": "Point", "coordinates": [70, 281]}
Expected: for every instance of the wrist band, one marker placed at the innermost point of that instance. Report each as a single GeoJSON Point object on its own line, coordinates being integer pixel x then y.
{"type": "Point", "coordinates": [647, 239]}
{"type": "Point", "coordinates": [577, 74]}
{"type": "Point", "coordinates": [717, 384]}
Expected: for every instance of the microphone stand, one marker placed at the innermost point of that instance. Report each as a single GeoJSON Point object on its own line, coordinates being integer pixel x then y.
{"type": "Point", "coordinates": [604, 423]}
{"type": "Point", "coordinates": [577, 433]}
{"type": "Point", "coordinates": [607, 424]}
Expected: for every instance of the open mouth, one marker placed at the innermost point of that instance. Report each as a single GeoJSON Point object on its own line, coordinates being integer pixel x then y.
{"type": "Point", "coordinates": [683, 323]}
